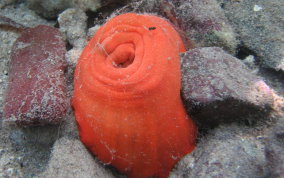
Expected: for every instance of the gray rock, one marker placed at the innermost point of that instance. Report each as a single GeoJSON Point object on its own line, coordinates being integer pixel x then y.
{"type": "Point", "coordinates": [8, 165]}
{"type": "Point", "coordinates": [71, 159]}
{"type": "Point", "coordinates": [23, 15]}
{"type": "Point", "coordinates": [230, 151]}
{"type": "Point", "coordinates": [51, 8]}
{"type": "Point", "coordinates": [274, 150]}
{"type": "Point", "coordinates": [92, 31]}
{"type": "Point", "coordinates": [201, 23]}
{"type": "Point", "coordinates": [218, 88]}
{"type": "Point", "coordinates": [72, 56]}
{"type": "Point", "coordinates": [26, 151]}
{"type": "Point", "coordinates": [4, 3]}
{"type": "Point", "coordinates": [205, 24]}
{"type": "Point", "coordinates": [48, 9]}
{"type": "Point", "coordinates": [7, 39]}
{"type": "Point", "coordinates": [259, 25]}
{"type": "Point", "coordinates": [73, 25]}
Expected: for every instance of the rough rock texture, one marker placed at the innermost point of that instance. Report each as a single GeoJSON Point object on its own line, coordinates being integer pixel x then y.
{"type": "Point", "coordinates": [274, 149]}
{"type": "Point", "coordinates": [218, 88]}
{"type": "Point", "coordinates": [8, 23]}
{"type": "Point", "coordinates": [51, 8]}
{"type": "Point", "coordinates": [36, 93]}
{"type": "Point", "coordinates": [72, 23]}
{"type": "Point", "coordinates": [32, 147]}
{"type": "Point", "coordinates": [26, 152]}
{"type": "Point", "coordinates": [259, 25]}
{"type": "Point", "coordinates": [73, 55]}
{"type": "Point", "coordinates": [27, 158]}
{"type": "Point", "coordinates": [230, 151]}
{"type": "Point", "coordinates": [92, 31]}
{"type": "Point", "coordinates": [201, 22]}
{"type": "Point", "coordinates": [4, 3]}
{"type": "Point", "coordinates": [7, 39]}
{"type": "Point", "coordinates": [205, 23]}
{"type": "Point", "coordinates": [22, 15]}
{"type": "Point", "coordinates": [70, 158]}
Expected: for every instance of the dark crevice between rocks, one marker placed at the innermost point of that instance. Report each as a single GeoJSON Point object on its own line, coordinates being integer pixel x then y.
{"type": "Point", "coordinates": [114, 171]}
{"type": "Point", "coordinates": [243, 52]}
{"type": "Point", "coordinates": [227, 112]}
{"type": "Point", "coordinates": [222, 5]}
{"type": "Point", "coordinates": [99, 17]}
{"type": "Point", "coordinates": [93, 18]}
{"type": "Point", "coordinates": [56, 25]}
{"type": "Point", "coordinates": [68, 46]}
{"type": "Point", "coordinates": [1, 119]}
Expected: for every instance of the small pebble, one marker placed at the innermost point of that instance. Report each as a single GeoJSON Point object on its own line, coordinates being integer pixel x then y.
{"type": "Point", "coordinates": [257, 8]}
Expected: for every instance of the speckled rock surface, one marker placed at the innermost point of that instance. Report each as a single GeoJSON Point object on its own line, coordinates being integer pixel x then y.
{"type": "Point", "coordinates": [259, 25]}
{"type": "Point", "coordinates": [73, 55]}
{"type": "Point", "coordinates": [23, 152]}
{"type": "Point", "coordinates": [51, 8]}
{"type": "Point", "coordinates": [36, 92]}
{"type": "Point", "coordinates": [226, 152]}
{"type": "Point", "coordinates": [274, 150]}
{"type": "Point", "coordinates": [72, 23]}
{"type": "Point", "coordinates": [218, 88]}
{"type": "Point", "coordinates": [32, 147]}
{"type": "Point", "coordinates": [4, 3]}
{"type": "Point", "coordinates": [243, 150]}
{"type": "Point", "coordinates": [21, 14]}
{"type": "Point", "coordinates": [205, 23]}
{"type": "Point", "coordinates": [70, 158]}
{"type": "Point", "coordinates": [201, 23]}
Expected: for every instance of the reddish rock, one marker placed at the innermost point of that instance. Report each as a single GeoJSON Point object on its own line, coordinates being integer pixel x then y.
{"type": "Point", "coordinates": [36, 93]}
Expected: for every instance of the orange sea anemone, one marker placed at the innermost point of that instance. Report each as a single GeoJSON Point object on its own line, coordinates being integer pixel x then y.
{"type": "Point", "coordinates": [127, 96]}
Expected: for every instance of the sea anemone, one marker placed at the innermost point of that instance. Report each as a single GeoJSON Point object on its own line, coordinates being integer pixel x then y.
{"type": "Point", "coordinates": [127, 96]}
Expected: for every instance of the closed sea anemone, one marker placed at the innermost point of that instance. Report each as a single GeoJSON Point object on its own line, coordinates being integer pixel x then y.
{"type": "Point", "coordinates": [127, 96]}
